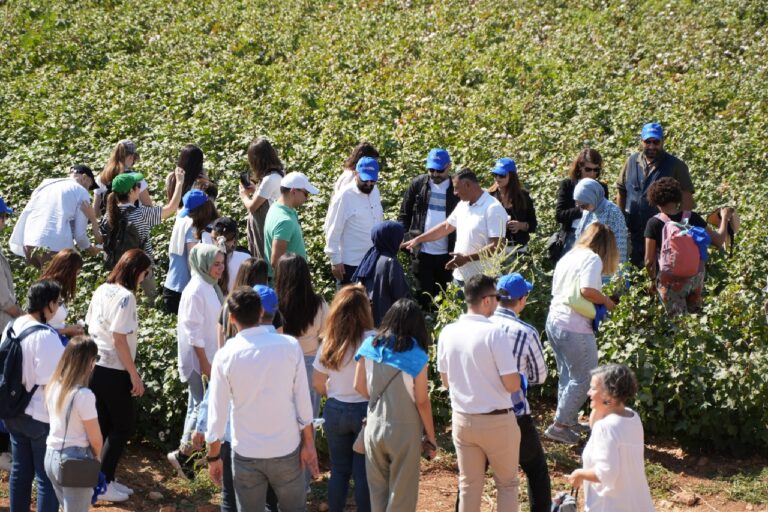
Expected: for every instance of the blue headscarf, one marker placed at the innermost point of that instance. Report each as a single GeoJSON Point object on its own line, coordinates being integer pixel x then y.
{"type": "Point", "coordinates": [387, 237]}
{"type": "Point", "coordinates": [589, 191]}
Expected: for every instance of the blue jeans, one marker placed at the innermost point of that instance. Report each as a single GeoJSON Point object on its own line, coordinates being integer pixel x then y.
{"type": "Point", "coordinates": [343, 421]}
{"type": "Point", "coordinates": [195, 390]}
{"type": "Point", "coordinates": [576, 357]}
{"type": "Point", "coordinates": [284, 474]}
{"type": "Point", "coordinates": [28, 450]}
{"type": "Point", "coordinates": [73, 499]}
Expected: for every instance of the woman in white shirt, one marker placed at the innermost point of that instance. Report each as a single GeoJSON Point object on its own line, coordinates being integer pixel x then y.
{"type": "Point", "coordinates": [74, 421]}
{"type": "Point", "coordinates": [577, 282]}
{"type": "Point", "coordinates": [349, 322]}
{"type": "Point", "coordinates": [114, 326]}
{"type": "Point", "coordinates": [614, 470]}
{"type": "Point", "coordinates": [41, 350]}
{"type": "Point", "coordinates": [196, 331]}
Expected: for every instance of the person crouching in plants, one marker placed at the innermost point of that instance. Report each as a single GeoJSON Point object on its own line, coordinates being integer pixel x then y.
{"type": "Point", "coordinates": [676, 263]}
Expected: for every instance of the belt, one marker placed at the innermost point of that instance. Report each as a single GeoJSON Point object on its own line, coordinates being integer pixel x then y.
{"type": "Point", "coordinates": [496, 412]}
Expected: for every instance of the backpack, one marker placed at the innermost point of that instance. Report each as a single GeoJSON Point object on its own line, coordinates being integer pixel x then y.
{"type": "Point", "coordinates": [120, 239]}
{"type": "Point", "coordinates": [14, 397]}
{"type": "Point", "coordinates": [679, 256]}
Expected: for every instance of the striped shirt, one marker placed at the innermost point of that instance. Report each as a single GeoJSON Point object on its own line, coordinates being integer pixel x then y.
{"type": "Point", "coordinates": [528, 352]}
{"type": "Point", "coordinates": [144, 218]}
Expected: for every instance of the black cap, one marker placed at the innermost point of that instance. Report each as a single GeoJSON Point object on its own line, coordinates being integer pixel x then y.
{"type": "Point", "coordinates": [225, 226]}
{"type": "Point", "coordinates": [84, 169]}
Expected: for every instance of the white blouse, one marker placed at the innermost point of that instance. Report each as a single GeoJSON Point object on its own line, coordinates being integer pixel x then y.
{"type": "Point", "coordinates": [198, 313]}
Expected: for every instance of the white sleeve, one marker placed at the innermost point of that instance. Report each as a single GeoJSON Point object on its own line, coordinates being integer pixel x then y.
{"type": "Point", "coordinates": [268, 186]}
{"type": "Point", "coordinates": [336, 220]}
{"type": "Point", "coordinates": [496, 221]}
{"type": "Point", "coordinates": [192, 319]}
{"type": "Point", "coordinates": [590, 275]}
{"type": "Point", "coordinates": [85, 405]}
{"type": "Point", "coordinates": [219, 397]}
{"type": "Point", "coordinates": [301, 391]}
{"type": "Point", "coordinates": [124, 316]}
{"type": "Point", "coordinates": [453, 218]}
{"type": "Point", "coordinates": [605, 454]}
{"type": "Point", "coordinates": [47, 355]}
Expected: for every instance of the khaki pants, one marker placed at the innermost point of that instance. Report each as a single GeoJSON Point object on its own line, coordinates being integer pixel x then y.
{"type": "Point", "coordinates": [495, 438]}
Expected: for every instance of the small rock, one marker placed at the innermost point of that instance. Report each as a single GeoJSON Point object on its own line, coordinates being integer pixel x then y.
{"type": "Point", "coordinates": [686, 498]}
{"type": "Point", "coordinates": [155, 496]}
{"type": "Point", "coordinates": [665, 504]}
{"type": "Point", "coordinates": [323, 507]}
{"type": "Point", "coordinates": [750, 507]}
{"type": "Point", "coordinates": [703, 461]}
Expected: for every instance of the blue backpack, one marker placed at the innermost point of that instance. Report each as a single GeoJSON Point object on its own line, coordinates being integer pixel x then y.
{"type": "Point", "coordinates": [14, 396]}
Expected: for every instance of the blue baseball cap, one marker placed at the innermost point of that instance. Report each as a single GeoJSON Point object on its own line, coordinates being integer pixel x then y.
{"type": "Point", "coordinates": [514, 285]}
{"type": "Point", "coordinates": [268, 298]}
{"type": "Point", "coordinates": [438, 159]}
{"type": "Point", "coordinates": [504, 166]}
{"type": "Point", "coordinates": [193, 200]}
{"type": "Point", "coordinates": [368, 169]}
{"type": "Point", "coordinates": [652, 131]}
{"type": "Point", "coordinates": [4, 208]}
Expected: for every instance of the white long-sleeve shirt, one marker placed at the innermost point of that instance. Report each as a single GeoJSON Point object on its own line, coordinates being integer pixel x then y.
{"type": "Point", "coordinates": [199, 309]}
{"type": "Point", "coordinates": [350, 219]}
{"type": "Point", "coordinates": [262, 374]}
{"type": "Point", "coordinates": [52, 218]}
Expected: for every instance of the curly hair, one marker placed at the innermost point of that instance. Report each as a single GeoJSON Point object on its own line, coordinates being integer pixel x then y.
{"type": "Point", "coordinates": [618, 381]}
{"type": "Point", "coordinates": [664, 191]}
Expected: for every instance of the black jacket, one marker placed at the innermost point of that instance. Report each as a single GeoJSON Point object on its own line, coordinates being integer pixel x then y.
{"type": "Point", "coordinates": [565, 208]}
{"type": "Point", "coordinates": [413, 210]}
{"type": "Point", "coordinates": [527, 214]}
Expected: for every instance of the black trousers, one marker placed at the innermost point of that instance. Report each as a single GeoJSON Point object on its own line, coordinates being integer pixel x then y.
{"type": "Point", "coordinates": [534, 465]}
{"type": "Point", "coordinates": [117, 414]}
{"type": "Point", "coordinates": [430, 272]}
{"type": "Point", "coordinates": [171, 301]}
{"type": "Point", "coordinates": [349, 271]}
{"type": "Point", "coordinates": [637, 249]}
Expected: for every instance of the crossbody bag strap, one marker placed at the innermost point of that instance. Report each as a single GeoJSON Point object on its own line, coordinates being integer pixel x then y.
{"type": "Point", "coordinates": [69, 413]}
{"type": "Point", "coordinates": [371, 405]}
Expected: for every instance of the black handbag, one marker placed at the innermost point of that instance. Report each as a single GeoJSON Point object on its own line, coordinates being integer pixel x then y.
{"type": "Point", "coordinates": [75, 472]}
{"type": "Point", "coordinates": [556, 244]}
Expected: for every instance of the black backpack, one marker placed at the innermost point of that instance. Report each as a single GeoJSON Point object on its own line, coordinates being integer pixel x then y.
{"type": "Point", "coordinates": [14, 397]}
{"type": "Point", "coordinates": [120, 239]}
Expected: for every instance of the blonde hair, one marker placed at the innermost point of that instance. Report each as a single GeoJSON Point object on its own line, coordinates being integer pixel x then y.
{"type": "Point", "coordinates": [74, 369]}
{"type": "Point", "coordinates": [348, 319]}
{"type": "Point", "coordinates": [599, 239]}
{"type": "Point", "coordinates": [116, 164]}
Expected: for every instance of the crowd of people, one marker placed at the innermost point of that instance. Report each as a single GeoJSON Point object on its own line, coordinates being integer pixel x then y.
{"type": "Point", "coordinates": [251, 326]}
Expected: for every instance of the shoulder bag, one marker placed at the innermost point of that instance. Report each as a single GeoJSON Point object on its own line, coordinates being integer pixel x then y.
{"type": "Point", "coordinates": [72, 471]}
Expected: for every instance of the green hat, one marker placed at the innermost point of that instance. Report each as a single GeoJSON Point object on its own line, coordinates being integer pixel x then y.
{"type": "Point", "coordinates": [123, 183]}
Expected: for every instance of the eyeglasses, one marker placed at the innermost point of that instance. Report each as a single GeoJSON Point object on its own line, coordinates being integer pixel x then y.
{"type": "Point", "coordinates": [306, 194]}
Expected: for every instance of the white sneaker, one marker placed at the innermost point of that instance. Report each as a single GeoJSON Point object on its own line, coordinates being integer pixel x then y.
{"type": "Point", "coordinates": [122, 488]}
{"type": "Point", "coordinates": [112, 494]}
{"type": "Point", "coordinates": [6, 462]}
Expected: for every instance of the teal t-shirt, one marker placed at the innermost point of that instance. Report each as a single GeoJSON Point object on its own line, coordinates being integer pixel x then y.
{"type": "Point", "coordinates": [282, 223]}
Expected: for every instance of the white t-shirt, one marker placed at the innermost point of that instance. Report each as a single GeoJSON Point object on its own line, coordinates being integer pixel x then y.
{"type": "Point", "coordinates": [474, 353]}
{"type": "Point", "coordinates": [577, 264]}
{"type": "Point", "coordinates": [112, 310]}
{"type": "Point", "coordinates": [341, 382]}
{"type": "Point", "coordinates": [40, 353]}
{"type": "Point", "coordinates": [475, 225]}
{"type": "Point", "coordinates": [615, 451]}
{"type": "Point", "coordinates": [83, 409]}
{"type": "Point", "coordinates": [435, 215]}
{"type": "Point", "coordinates": [236, 259]}
{"type": "Point", "coordinates": [199, 308]}
{"type": "Point", "coordinates": [269, 187]}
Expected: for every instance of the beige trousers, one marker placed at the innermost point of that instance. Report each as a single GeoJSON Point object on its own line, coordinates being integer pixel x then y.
{"type": "Point", "coordinates": [495, 438]}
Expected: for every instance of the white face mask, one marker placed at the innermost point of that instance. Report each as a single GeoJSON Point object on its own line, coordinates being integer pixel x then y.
{"type": "Point", "coordinates": [59, 317]}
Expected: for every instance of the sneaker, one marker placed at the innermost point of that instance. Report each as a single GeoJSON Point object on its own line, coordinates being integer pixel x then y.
{"type": "Point", "coordinates": [581, 428]}
{"type": "Point", "coordinates": [6, 462]}
{"type": "Point", "coordinates": [122, 488]}
{"type": "Point", "coordinates": [112, 494]}
{"type": "Point", "coordinates": [181, 463]}
{"type": "Point", "coordinates": [562, 435]}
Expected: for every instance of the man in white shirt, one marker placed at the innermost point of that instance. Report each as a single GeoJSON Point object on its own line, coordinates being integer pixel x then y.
{"type": "Point", "coordinates": [262, 375]}
{"type": "Point", "coordinates": [350, 219]}
{"type": "Point", "coordinates": [479, 221]}
{"type": "Point", "coordinates": [56, 217]}
{"type": "Point", "coordinates": [481, 373]}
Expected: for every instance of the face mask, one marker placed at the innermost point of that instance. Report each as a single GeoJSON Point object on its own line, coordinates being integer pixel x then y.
{"type": "Point", "coordinates": [59, 317]}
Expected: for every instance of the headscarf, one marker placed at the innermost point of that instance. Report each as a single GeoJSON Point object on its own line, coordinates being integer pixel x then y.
{"type": "Point", "coordinates": [387, 237]}
{"type": "Point", "coordinates": [200, 261]}
{"type": "Point", "coordinates": [589, 191]}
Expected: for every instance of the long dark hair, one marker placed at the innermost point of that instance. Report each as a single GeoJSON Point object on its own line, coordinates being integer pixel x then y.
{"type": "Point", "coordinates": [405, 323]}
{"type": "Point", "coordinates": [297, 301]}
{"type": "Point", "coordinates": [64, 267]}
{"type": "Point", "coordinates": [586, 155]}
{"type": "Point", "coordinates": [262, 158]}
{"type": "Point", "coordinates": [514, 192]}
{"type": "Point", "coordinates": [191, 160]}
{"type": "Point", "coordinates": [348, 319]}
{"type": "Point", "coordinates": [128, 268]}
{"type": "Point", "coordinates": [361, 150]}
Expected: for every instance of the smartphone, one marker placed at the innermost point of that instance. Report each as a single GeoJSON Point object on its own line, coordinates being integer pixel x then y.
{"type": "Point", "coordinates": [245, 179]}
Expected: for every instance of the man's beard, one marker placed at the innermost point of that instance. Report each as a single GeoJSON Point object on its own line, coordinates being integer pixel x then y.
{"type": "Point", "coordinates": [365, 189]}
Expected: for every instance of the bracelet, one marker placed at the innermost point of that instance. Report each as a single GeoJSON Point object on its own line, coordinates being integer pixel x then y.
{"type": "Point", "coordinates": [214, 458]}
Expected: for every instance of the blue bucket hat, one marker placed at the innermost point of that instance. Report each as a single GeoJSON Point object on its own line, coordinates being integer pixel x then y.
{"type": "Point", "coordinates": [268, 298]}
{"type": "Point", "coordinates": [504, 166]}
{"type": "Point", "coordinates": [368, 169]}
{"type": "Point", "coordinates": [193, 200]}
{"type": "Point", "coordinates": [438, 159]}
{"type": "Point", "coordinates": [652, 131]}
{"type": "Point", "coordinates": [4, 208]}
{"type": "Point", "coordinates": [514, 285]}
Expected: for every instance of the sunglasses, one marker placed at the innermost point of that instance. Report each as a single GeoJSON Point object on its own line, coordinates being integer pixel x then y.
{"type": "Point", "coordinates": [437, 171]}
{"type": "Point", "coordinates": [591, 169]}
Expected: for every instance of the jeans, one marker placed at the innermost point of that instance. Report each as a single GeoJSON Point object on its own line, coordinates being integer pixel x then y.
{"type": "Point", "coordinates": [73, 499]}
{"type": "Point", "coordinates": [195, 390]}
{"type": "Point", "coordinates": [28, 451]}
{"type": "Point", "coordinates": [576, 357]}
{"type": "Point", "coordinates": [284, 474]}
{"type": "Point", "coordinates": [343, 421]}
{"type": "Point", "coordinates": [315, 399]}
{"type": "Point", "coordinates": [117, 414]}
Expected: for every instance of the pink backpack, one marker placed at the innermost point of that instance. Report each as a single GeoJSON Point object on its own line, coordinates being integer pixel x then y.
{"type": "Point", "coordinates": [679, 256]}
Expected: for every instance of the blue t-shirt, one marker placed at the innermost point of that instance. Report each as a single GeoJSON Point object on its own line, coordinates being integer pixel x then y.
{"type": "Point", "coordinates": [178, 266]}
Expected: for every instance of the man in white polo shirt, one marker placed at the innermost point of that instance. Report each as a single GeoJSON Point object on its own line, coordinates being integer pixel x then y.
{"type": "Point", "coordinates": [480, 371]}
{"type": "Point", "coordinates": [261, 373]}
{"type": "Point", "coordinates": [350, 219]}
{"type": "Point", "coordinates": [479, 221]}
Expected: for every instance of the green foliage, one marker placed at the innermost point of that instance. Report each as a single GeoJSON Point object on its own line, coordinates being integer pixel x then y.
{"type": "Point", "coordinates": [532, 80]}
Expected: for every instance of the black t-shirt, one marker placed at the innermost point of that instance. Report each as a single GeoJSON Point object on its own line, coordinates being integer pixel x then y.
{"type": "Point", "coordinates": [655, 226]}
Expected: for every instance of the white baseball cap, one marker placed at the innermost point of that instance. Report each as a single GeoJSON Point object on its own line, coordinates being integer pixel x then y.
{"type": "Point", "coordinates": [298, 180]}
